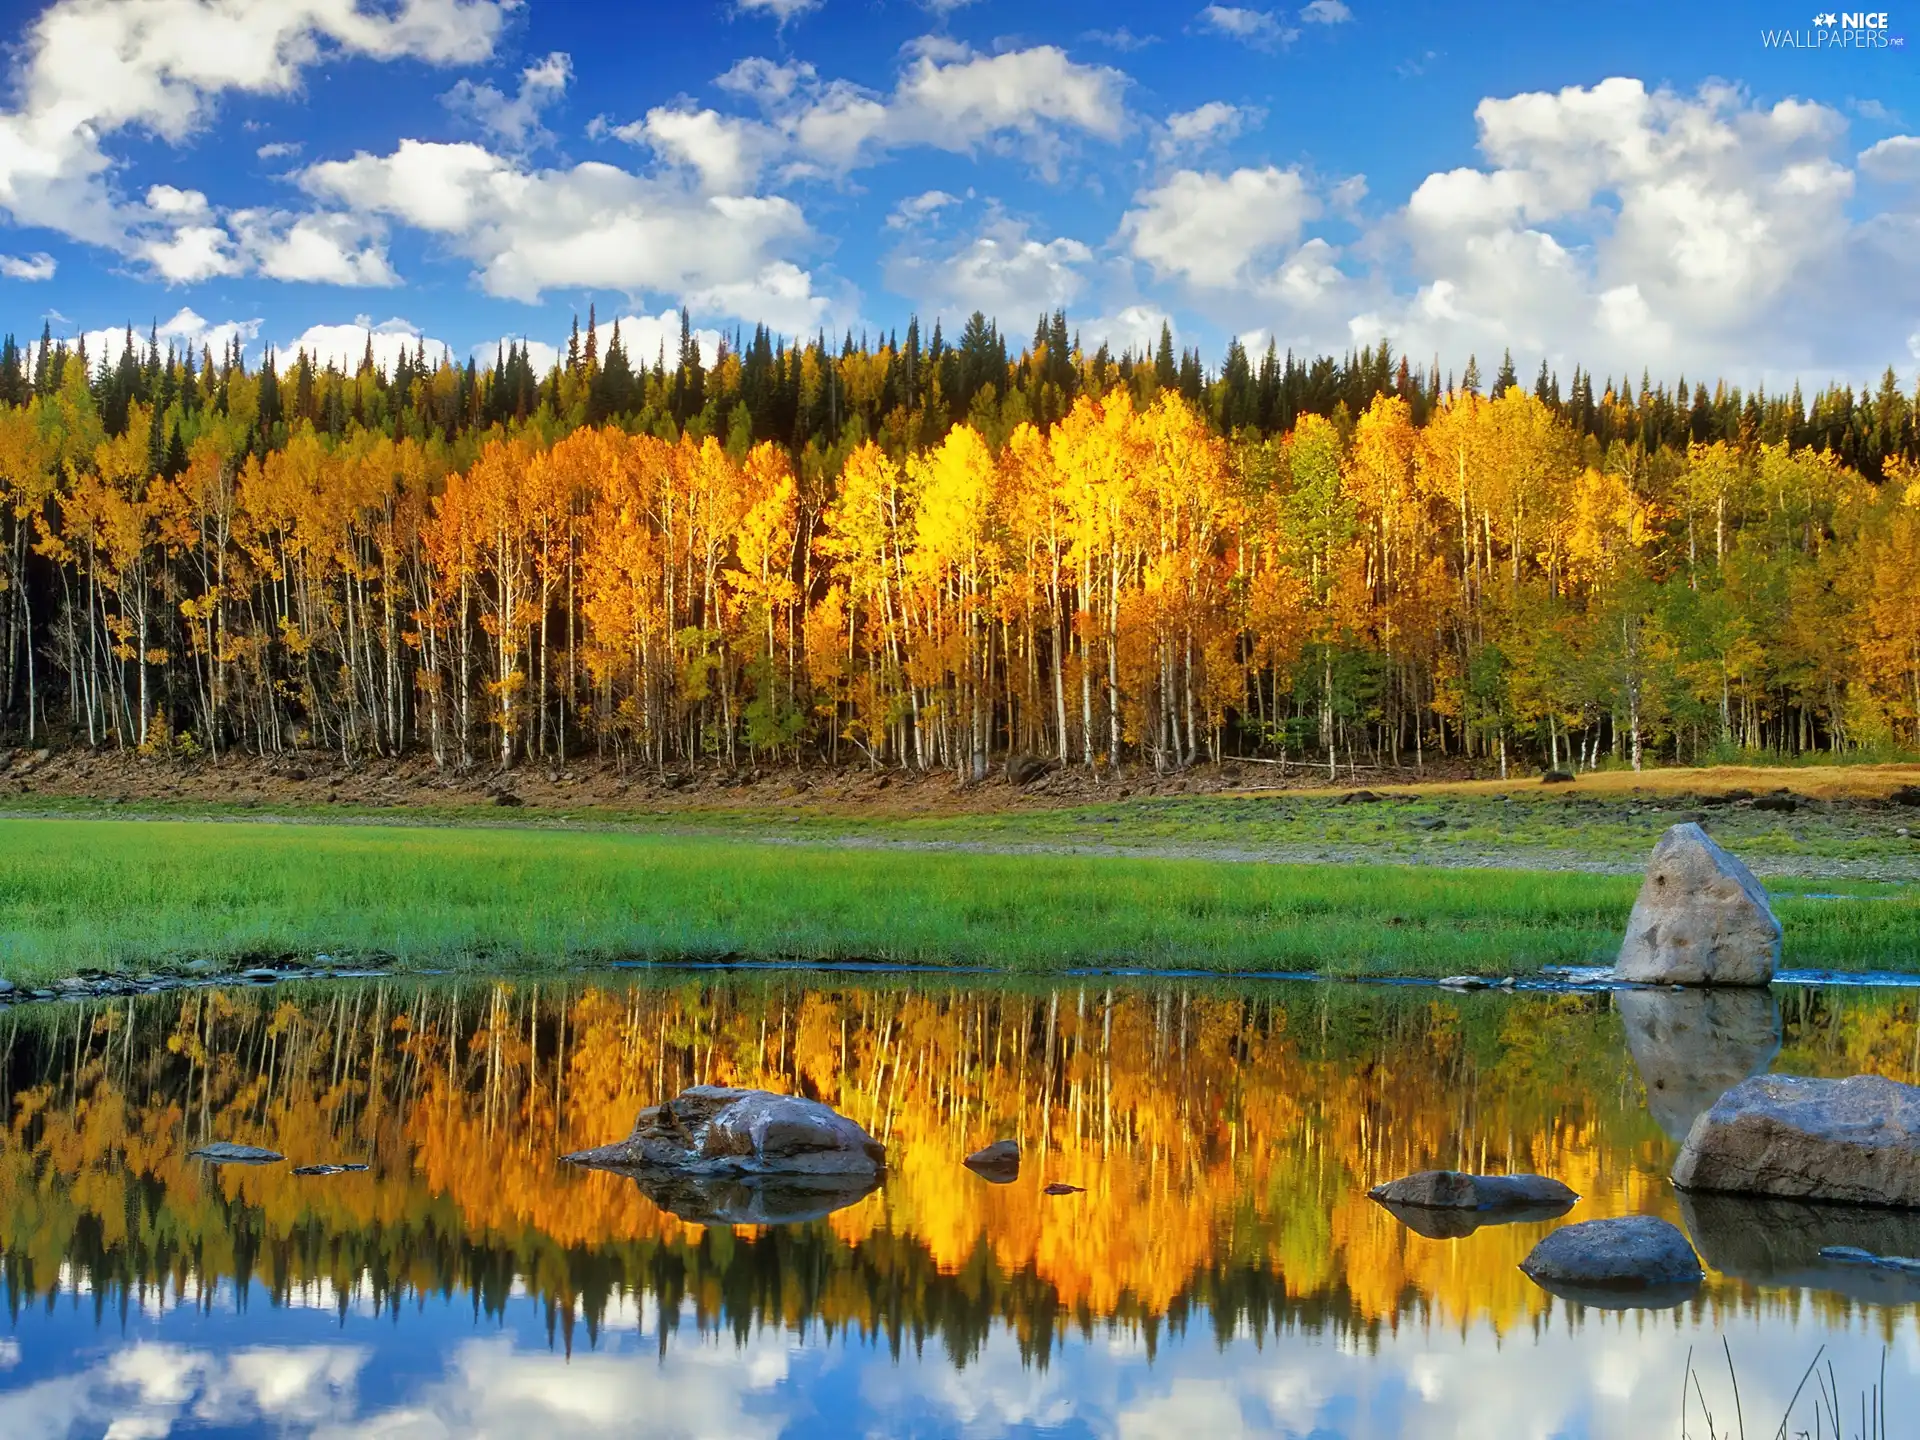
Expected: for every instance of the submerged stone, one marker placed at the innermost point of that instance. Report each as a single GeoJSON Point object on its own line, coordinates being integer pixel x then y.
{"type": "Point", "coordinates": [1855, 1140]}
{"type": "Point", "coordinates": [1457, 1190]}
{"type": "Point", "coordinates": [998, 1162]}
{"type": "Point", "coordinates": [327, 1169]}
{"type": "Point", "coordinates": [222, 1152]}
{"type": "Point", "coordinates": [1701, 918]}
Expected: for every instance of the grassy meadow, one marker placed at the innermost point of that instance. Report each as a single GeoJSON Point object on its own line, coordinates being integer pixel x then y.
{"type": "Point", "coordinates": [136, 895]}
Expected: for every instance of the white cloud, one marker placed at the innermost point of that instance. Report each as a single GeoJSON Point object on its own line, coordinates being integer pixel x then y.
{"type": "Point", "coordinates": [92, 69]}
{"type": "Point", "coordinates": [724, 152]}
{"type": "Point", "coordinates": [650, 338]}
{"type": "Point", "coordinates": [189, 254]}
{"type": "Point", "coordinates": [1216, 231]}
{"type": "Point", "coordinates": [345, 346]}
{"type": "Point", "coordinates": [40, 266]}
{"type": "Point", "coordinates": [528, 231]}
{"type": "Point", "coordinates": [1262, 29]}
{"type": "Point", "coordinates": [1003, 271]}
{"type": "Point", "coordinates": [1326, 12]}
{"type": "Point", "coordinates": [1134, 328]}
{"type": "Point", "coordinates": [1895, 160]}
{"type": "Point", "coordinates": [186, 330]}
{"type": "Point", "coordinates": [279, 150]}
{"type": "Point", "coordinates": [1205, 125]}
{"type": "Point", "coordinates": [318, 249]}
{"type": "Point", "coordinates": [949, 97]}
{"type": "Point", "coordinates": [916, 209]}
{"type": "Point", "coordinates": [781, 10]}
{"type": "Point", "coordinates": [515, 121]}
{"type": "Point", "coordinates": [542, 356]}
{"type": "Point", "coordinates": [1690, 232]}
{"type": "Point", "coordinates": [1121, 39]}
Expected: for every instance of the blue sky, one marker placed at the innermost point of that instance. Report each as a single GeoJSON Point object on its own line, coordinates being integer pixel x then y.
{"type": "Point", "coordinates": [1623, 186]}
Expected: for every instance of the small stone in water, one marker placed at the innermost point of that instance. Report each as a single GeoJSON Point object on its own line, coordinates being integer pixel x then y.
{"type": "Point", "coordinates": [326, 1169]}
{"type": "Point", "coordinates": [222, 1152]}
{"type": "Point", "coordinates": [1060, 1187]}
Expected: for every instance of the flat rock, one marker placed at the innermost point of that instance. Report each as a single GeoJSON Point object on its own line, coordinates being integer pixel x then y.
{"type": "Point", "coordinates": [1701, 918]}
{"type": "Point", "coordinates": [222, 1152]}
{"type": "Point", "coordinates": [1627, 1263]}
{"type": "Point", "coordinates": [327, 1169]}
{"type": "Point", "coordinates": [1457, 1190]}
{"type": "Point", "coordinates": [998, 1162]}
{"type": "Point", "coordinates": [1692, 1046]}
{"type": "Point", "coordinates": [1060, 1187]}
{"type": "Point", "coordinates": [711, 1130]}
{"type": "Point", "coordinates": [1855, 1140]}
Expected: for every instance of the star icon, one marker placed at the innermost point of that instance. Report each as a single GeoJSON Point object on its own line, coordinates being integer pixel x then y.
{"type": "Point", "coordinates": [1828, 20]}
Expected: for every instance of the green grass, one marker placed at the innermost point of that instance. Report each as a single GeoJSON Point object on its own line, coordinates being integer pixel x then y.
{"type": "Point", "coordinates": [133, 895]}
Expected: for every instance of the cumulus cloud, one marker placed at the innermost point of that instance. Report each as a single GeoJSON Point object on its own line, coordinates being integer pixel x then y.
{"type": "Point", "coordinates": [1618, 221]}
{"type": "Point", "coordinates": [917, 209]}
{"type": "Point", "coordinates": [1132, 328]}
{"type": "Point", "coordinates": [40, 266]}
{"type": "Point", "coordinates": [1216, 231]}
{"type": "Point", "coordinates": [1326, 12]}
{"type": "Point", "coordinates": [724, 153]}
{"type": "Point", "coordinates": [1003, 271]}
{"type": "Point", "coordinates": [279, 150]}
{"type": "Point", "coordinates": [93, 69]}
{"type": "Point", "coordinates": [514, 121]}
{"type": "Point", "coordinates": [1895, 160]}
{"type": "Point", "coordinates": [1205, 125]}
{"type": "Point", "coordinates": [781, 11]}
{"type": "Point", "coordinates": [948, 97]}
{"type": "Point", "coordinates": [345, 346]}
{"type": "Point", "coordinates": [542, 356]}
{"type": "Point", "coordinates": [650, 339]}
{"type": "Point", "coordinates": [1262, 29]}
{"type": "Point", "coordinates": [185, 331]}
{"type": "Point", "coordinates": [528, 231]}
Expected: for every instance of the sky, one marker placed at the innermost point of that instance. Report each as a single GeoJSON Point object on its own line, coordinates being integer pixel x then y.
{"type": "Point", "coordinates": [1701, 189]}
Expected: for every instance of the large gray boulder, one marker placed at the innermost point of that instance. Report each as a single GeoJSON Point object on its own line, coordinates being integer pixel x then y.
{"type": "Point", "coordinates": [1701, 919]}
{"type": "Point", "coordinates": [1692, 1046]}
{"type": "Point", "coordinates": [710, 1130]}
{"type": "Point", "coordinates": [1854, 1140]}
{"type": "Point", "coordinates": [1628, 1263]}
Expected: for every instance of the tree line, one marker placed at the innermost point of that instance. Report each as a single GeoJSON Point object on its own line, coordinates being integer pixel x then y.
{"type": "Point", "coordinates": [925, 554]}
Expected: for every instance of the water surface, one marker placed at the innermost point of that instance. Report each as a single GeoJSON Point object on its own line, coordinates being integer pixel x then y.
{"type": "Point", "coordinates": [1223, 1272]}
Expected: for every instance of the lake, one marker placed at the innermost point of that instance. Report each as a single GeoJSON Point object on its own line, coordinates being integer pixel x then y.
{"type": "Point", "coordinates": [1222, 1271]}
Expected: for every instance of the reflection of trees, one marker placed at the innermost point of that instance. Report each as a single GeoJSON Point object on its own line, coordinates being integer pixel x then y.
{"type": "Point", "coordinates": [1225, 1137]}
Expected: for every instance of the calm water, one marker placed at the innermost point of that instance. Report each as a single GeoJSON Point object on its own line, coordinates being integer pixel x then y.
{"type": "Point", "coordinates": [1223, 1274]}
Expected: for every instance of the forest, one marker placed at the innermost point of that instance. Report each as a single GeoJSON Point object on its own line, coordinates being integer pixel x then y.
{"type": "Point", "coordinates": [910, 552]}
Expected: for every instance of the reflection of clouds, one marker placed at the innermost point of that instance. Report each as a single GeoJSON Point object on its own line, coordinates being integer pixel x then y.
{"type": "Point", "coordinates": [140, 1392]}
{"type": "Point", "coordinates": [1607, 1377]}
{"type": "Point", "coordinates": [494, 1390]}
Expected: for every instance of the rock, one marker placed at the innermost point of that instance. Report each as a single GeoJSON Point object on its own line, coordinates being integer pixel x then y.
{"type": "Point", "coordinates": [1456, 1190]}
{"type": "Point", "coordinates": [711, 1130]}
{"type": "Point", "coordinates": [1060, 1187]}
{"type": "Point", "coordinates": [1557, 777]}
{"type": "Point", "coordinates": [222, 1152]}
{"type": "Point", "coordinates": [1792, 1243]}
{"type": "Point", "coordinates": [263, 976]}
{"type": "Point", "coordinates": [1701, 919]}
{"type": "Point", "coordinates": [202, 967]}
{"type": "Point", "coordinates": [327, 1169]}
{"type": "Point", "coordinates": [1462, 982]}
{"type": "Point", "coordinates": [1692, 1046]}
{"type": "Point", "coordinates": [1851, 1255]}
{"type": "Point", "coordinates": [998, 1162]}
{"type": "Point", "coordinates": [1854, 1140]}
{"type": "Point", "coordinates": [1631, 1262]}
{"type": "Point", "coordinates": [1428, 822]}
{"type": "Point", "coordinates": [1025, 769]}
{"type": "Point", "coordinates": [1361, 797]}
{"type": "Point", "coordinates": [7, 987]}
{"type": "Point", "coordinates": [508, 799]}
{"type": "Point", "coordinates": [1906, 795]}
{"type": "Point", "coordinates": [1784, 804]}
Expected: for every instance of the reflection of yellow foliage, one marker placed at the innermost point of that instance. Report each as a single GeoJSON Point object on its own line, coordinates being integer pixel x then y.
{"type": "Point", "coordinates": [1216, 1135]}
